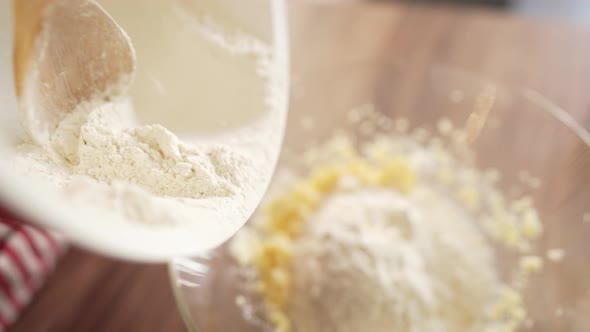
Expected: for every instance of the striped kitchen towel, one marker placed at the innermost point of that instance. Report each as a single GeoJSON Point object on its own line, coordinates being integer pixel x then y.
{"type": "Point", "coordinates": [27, 255]}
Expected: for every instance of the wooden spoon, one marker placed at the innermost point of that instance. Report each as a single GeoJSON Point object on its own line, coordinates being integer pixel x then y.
{"type": "Point", "coordinates": [66, 52]}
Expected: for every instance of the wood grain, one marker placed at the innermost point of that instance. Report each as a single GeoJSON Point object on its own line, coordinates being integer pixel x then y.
{"type": "Point", "coordinates": [89, 293]}
{"type": "Point", "coordinates": [27, 25]}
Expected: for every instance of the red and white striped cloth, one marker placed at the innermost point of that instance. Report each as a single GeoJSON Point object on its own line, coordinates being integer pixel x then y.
{"type": "Point", "coordinates": [27, 256]}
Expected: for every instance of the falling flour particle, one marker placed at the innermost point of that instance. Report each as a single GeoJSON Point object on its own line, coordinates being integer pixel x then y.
{"type": "Point", "coordinates": [555, 255]}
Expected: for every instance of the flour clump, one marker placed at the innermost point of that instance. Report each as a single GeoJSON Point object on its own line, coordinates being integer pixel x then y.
{"type": "Point", "coordinates": [104, 144]}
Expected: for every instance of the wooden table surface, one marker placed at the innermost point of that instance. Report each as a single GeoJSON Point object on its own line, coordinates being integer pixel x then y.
{"type": "Point", "coordinates": [91, 293]}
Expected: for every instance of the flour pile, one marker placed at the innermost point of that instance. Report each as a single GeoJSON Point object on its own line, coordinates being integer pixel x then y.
{"type": "Point", "coordinates": [389, 264]}
{"type": "Point", "coordinates": [107, 145]}
{"type": "Point", "coordinates": [102, 151]}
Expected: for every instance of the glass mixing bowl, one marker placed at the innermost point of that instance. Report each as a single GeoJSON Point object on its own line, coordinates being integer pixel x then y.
{"type": "Point", "coordinates": [525, 135]}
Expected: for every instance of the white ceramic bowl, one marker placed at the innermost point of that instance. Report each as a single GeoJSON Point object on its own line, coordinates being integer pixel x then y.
{"type": "Point", "coordinates": [99, 229]}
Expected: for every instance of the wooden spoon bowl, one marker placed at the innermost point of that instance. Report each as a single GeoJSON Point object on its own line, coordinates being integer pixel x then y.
{"type": "Point", "coordinates": [67, 52]}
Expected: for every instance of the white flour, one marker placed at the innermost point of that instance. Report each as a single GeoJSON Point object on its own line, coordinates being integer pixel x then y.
{"type": "Point", "coordinates": [102, 158]}
{"type": "Point", "coordinates": [388, 262]}
{"type": "Point", "coordinates": [106, 145]}
{"type": "Point", "coordinates": [101, 152]}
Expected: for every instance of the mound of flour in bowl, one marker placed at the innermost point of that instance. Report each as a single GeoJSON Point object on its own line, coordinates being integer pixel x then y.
{"type": "Point", "coordinates": [388, 262]}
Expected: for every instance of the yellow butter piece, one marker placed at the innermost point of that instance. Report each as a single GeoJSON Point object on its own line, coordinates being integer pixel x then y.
{"type": "Point", "coordinates": [286, 215]}
{"type": "Point", "coordinates": [531, 264]}
{"type": "Point", "coordinates": [277, 286]}
{"type": "Point", "coordinates": [325, 179]}
{"type": "Point", "coordinates": [507, 232]}
{"type": "Point", "coordinates": [306, 194]}
{"type": "Point", "coordinates": [276, 251]}
{"type": "Point", "coordinates": [531, 224]}
{"type": "Point", "coordinates": [398, 174]}
{"type": "Point", "coordinates": [469, 197]}
{"type": "Point", "coordinates": [279, 320]}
